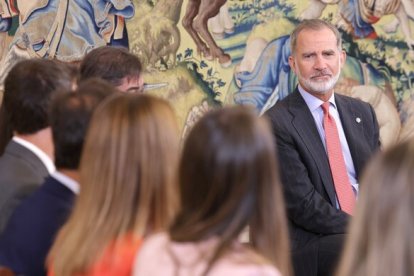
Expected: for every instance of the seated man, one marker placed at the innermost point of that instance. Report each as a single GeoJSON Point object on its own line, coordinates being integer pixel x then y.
{"type": "Point", "coordinates": [324, 140]}
{"type": "Point", "coordinates": [34, 224]}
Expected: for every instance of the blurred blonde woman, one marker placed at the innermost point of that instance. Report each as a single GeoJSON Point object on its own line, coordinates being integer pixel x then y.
{"type": "Point", "coordinates": [227, 181]}
{"type": "Point", "coordinates": [381, 237]}
{"type": "Point", "coordinates": [128, 182]}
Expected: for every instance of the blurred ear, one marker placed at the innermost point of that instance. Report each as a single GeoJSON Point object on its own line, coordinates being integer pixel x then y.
{"type": "Point", "coordinates": [292, 63]}
{"type": "Point", "coordinates": [342, 58]}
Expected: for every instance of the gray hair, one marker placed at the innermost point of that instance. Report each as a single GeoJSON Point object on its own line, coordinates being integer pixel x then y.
{"type": "Point", "coordinates": [316, 25]}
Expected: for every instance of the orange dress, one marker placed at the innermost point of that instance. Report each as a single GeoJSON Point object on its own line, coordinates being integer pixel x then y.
{"type": "Point", "coordinates": [116, 260]}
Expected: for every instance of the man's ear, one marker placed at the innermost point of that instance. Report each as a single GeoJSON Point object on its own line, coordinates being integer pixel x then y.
{"type": "Point", "coordinates": [343, 58]}
{"type": "Point", "coordinates": [292, 63]}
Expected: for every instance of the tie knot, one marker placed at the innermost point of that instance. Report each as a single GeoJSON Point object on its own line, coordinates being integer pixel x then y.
{"type": "Point", "coordinates": [325, 107]}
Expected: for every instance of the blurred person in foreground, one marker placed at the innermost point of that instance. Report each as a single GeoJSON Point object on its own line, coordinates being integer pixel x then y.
{"type": "Point", "coordinates": [227, 182]}
{"type": "Point", "coordinates": [128, 180]}
{"type": "Point", "coordinates": [27, 141]}
{"type": "Point", "coordinates": [381, 242]}
{"type": "Point", "coordinates": [33, 226]}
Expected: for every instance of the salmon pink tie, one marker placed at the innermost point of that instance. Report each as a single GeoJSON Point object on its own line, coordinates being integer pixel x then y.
{"type": "Point", "coordinates": [344, 193]}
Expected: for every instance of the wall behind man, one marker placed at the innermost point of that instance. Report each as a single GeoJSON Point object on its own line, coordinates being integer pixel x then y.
{"type": "Point", "coordinates": [379, 70]}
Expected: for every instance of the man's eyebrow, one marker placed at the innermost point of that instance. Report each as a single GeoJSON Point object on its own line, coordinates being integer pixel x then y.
{"type": "Point", "coordinates": [330, 51]}
{"type": "Point", "coordinates": [324, 52]}
{"type": "Point", "coordinates": [308, 53]}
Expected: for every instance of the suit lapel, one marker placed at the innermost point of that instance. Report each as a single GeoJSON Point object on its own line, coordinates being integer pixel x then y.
{"type": "Point", "coordinates": [353, 125]}
{"type": "Point", "coordinates": [304, 124]}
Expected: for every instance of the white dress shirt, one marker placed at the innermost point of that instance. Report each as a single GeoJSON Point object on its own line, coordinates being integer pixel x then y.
{"type": "Point", "coordinates": [66, 181]}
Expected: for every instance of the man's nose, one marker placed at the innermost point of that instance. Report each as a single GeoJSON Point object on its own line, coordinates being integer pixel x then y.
{"type": "Point", "coordinates": [319, 63]}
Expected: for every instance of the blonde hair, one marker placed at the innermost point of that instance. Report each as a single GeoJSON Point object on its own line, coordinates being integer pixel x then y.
{"type": "Point", "coordinates": [128, 180]}
{"type": "Point", "coordinates": [380, 242]}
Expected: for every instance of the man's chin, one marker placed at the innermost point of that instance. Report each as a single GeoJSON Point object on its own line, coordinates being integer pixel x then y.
{"type": "Point", "coordinates": [321, 79]}
{"type": "Point", "coordinates": [319, 88]}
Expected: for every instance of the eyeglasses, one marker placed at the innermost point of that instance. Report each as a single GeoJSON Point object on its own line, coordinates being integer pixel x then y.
{"type": "Point", "coordinates": [151, 86]}
{"type": "Point", "coordinates": [145, 87]}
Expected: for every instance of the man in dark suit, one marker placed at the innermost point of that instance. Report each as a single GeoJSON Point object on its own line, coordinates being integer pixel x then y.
{"type": "Point", "coordinates": [317, 206]}
{"type": "Point", "coordinates": [34, 224]}
{"type": "Point", "coordinates": [26, 136]}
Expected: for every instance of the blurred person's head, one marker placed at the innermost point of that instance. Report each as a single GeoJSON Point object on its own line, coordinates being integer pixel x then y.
{"type": "Point", "coordinates": [70, 114]}
{"type": "Point", "coordinates": [28, 89]}
{"type": "Point", "coordinates": [128, 179]}
{"type": "Point", "coordinates": [115, 65]}
{"type": "Point", "coordinates": [380, 240]}
{"type": "Point", "coordinates": [229, 180]}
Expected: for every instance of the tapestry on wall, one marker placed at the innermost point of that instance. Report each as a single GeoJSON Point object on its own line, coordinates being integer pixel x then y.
{"type": "Point", "coordinates": [238, 56]}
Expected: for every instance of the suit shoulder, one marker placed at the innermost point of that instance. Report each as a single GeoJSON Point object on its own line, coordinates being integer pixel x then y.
{"type": "Point", "coordinates": [16, 172]}
{"type": "Point", "coordinates": [279, 107]}
{"type": "Point", "coordinates": [353, 101]}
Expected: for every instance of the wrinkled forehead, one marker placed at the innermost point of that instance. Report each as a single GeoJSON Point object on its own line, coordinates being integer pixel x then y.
{"type": "Point", "coordinates": [317, 28]}
{"type": "Point", "coordinates": [310, 40]}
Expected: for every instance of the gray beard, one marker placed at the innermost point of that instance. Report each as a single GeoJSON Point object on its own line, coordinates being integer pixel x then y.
{"type": "Point", "coordinates": [317, 86]}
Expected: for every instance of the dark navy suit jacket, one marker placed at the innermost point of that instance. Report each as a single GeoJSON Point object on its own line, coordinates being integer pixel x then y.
{"type": "Point", "coordinates": [33, 226]}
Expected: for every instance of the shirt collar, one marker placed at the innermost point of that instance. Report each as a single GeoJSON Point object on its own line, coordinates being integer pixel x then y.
{"type": "Point", "coordinates": [70, 183]}
{"type": "Point", "coordinates": [44, 158]}
{"type": "Point", "coordinates": [313, 102]}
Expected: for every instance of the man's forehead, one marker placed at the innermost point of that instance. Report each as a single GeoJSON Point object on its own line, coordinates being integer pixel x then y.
{"type": "Point", "coordinates": [323, 34]}
{"type": "Point", "coordinates": [310, 41]}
